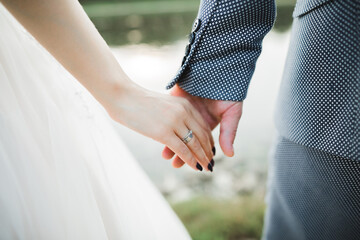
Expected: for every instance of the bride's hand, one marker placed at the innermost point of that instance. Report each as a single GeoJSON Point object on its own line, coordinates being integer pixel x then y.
{"type": "Point", "coordinates": [86, 56]}
{"type": "Point", "coordinates": [166, 119]}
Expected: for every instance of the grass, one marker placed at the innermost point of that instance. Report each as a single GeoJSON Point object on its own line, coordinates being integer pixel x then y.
{"type": "Point", "coordinates": [210, 219]}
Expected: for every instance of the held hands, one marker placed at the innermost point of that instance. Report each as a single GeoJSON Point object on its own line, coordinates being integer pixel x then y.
{"type": "Point", "coordinates": [166, 119]}
{"type": "Point", "coordinates": [86, 56]}
{"type": "Point", "coordinates": [226, 113]}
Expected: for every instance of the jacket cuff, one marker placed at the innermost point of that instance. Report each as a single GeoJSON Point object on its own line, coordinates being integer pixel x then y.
{"type": "Point", "coordinates": [227, 78]}
{"type": "Point", "coordinates": [222, 52]}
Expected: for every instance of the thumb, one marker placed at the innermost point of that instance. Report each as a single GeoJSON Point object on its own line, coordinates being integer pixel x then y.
{"type": "Point", "coordinates": [228, 127]}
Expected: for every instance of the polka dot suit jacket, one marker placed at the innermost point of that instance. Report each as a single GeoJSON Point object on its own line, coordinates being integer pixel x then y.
{"type": "Point", "coordinates": [318, 104]}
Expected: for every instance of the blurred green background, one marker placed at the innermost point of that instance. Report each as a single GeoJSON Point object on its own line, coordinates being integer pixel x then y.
{"type": "Point", "coordinates": [230, 203]}
{"type": "Point", "coordinates": [156, 22]}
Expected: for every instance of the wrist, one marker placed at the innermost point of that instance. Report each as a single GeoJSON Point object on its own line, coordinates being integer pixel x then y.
{"type": "Point", "coordinates": [119, 98]}
{"type": "Point", "coordinates": [110, 89]}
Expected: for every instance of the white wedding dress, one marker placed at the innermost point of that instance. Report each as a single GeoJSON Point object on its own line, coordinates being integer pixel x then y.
{"type": "Point", "coordinates": [64, 173]}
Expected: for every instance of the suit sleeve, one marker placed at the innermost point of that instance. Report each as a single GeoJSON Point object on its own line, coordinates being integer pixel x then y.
{"type": "Point", "coordinates": [223, 48]}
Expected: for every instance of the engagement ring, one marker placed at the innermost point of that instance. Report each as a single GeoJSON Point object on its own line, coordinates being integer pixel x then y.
{"type": "Point", "coordinates": [188, 137]}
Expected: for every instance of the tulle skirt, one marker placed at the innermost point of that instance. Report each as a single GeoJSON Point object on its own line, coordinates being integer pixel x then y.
{"type": "Point", "coordinates": [64, 173]}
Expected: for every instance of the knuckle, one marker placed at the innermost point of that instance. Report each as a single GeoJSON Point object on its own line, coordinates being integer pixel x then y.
{"type": "Point", "coordinates": [164, 133]}
{"type": "Point", "coordinates": [191, 160]}
{"type": "Point", "coordinates": [196, 146]}
{"type": "Point", "coordinates": [186, 104]}
{"type": "Point", "coordinates": [207, 138]}
{"type": "Point", "coordinates": [184, 151]}
{"type": "Point", "coordinates": [180, 109]}
{"type": "Point", "coordinates": [202, 136]}
{"type": "Point", "coordinates": [173, 118]}
{"type": "Point", "coordinates": [183, 101]}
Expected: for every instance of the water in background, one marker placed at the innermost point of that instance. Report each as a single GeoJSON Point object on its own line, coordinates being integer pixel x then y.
{"type": "Point", "coordinates": [148, 38]}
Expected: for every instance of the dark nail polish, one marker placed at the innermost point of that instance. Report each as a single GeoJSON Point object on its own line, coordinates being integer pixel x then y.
{"type": "Point", "coordinates": [212, 162]}
{"type": "Point", "coordinates": [214, 150]}
{"type": "Point", "coordinates": [210, 167]}
{"type": "Point", "coordinates": [198, 166]}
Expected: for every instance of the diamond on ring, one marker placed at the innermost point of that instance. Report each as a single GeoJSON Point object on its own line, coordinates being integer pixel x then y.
{"type": "Point", "coordinates": [188, 137]}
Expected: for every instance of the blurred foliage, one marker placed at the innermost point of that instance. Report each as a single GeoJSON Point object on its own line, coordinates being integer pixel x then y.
{"type": "Point", "coordinates": [117, 1]}
{"type": "Point", "coordinates": [279, 2]}
{"type": "Point", "coordinates": [284, 15]}
{"type": "Point", "coordinates": [156, 22]}
{"type": "Point", "coordinates": [210, 219]}
{"type": "Point", "coordinates": [285, 2]}
{"type": "Point", "coordinates": [134, 29]}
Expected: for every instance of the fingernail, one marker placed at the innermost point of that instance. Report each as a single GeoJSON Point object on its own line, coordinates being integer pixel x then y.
{"type": "Point", "coordinates": [210, 167]}
{"type": "Point", "coordinates": [214, 150]}
{"type": "Point", "coordinates": [212, 162]}
{"type": "Point", "coordinates": [198, 166]}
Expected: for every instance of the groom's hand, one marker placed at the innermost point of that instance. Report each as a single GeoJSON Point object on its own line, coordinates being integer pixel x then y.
{"type": "Point", "coordinates": [226, 113]}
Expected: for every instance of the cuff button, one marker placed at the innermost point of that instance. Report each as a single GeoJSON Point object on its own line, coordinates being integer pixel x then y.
{"type": "Point", "coordinates": [192, 38]}
{"type": "Point", "coordinates": [196, 25]}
